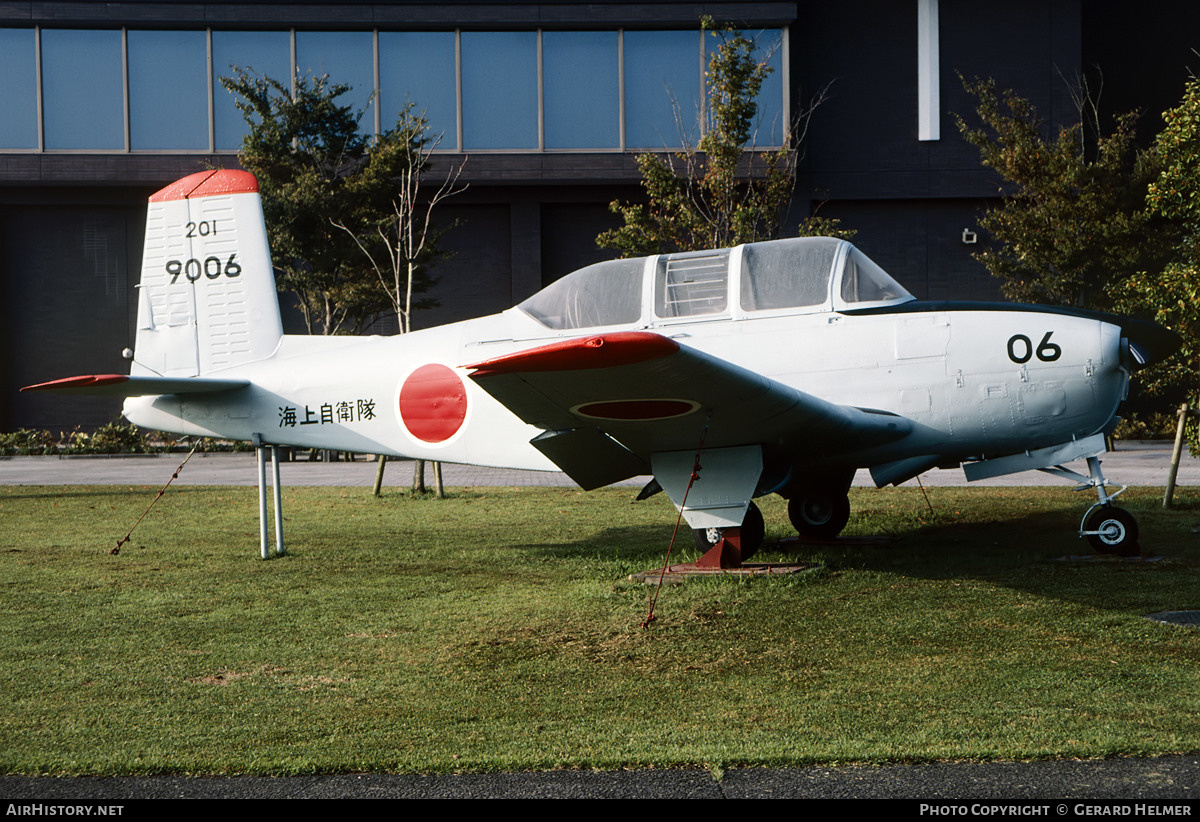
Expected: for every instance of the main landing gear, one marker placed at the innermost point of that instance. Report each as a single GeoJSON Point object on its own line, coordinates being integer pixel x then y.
{"type": "Point", "coordinates": [818, 514]}
{"type": "Point", "coordinates": [819, 507]}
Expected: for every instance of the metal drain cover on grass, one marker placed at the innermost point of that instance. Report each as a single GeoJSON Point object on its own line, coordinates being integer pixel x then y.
{"type": "Point", "coordinates": [1189, 619]}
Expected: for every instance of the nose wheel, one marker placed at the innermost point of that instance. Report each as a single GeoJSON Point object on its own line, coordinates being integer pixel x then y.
{"type": "Point", "coordinates": [1109, 529]}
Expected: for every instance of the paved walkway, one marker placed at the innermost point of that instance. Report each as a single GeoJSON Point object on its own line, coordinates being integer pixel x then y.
{"type": "Point", "coordinates": [1133, 463]}
{"type": "Point", "coordinates": [1121, 787]}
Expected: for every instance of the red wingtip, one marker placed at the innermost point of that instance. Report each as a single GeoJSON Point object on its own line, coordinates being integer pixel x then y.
{"type": "Point", "coordinates": [89, 381]}
{"type": "Point", "coordinates": [600, 351]}
{"type": "Point", "coordinates": [207, 184]}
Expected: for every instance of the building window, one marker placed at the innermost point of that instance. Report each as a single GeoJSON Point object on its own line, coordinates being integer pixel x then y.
{"type": "Point", "coordinates": [500, 90]}
{"type": "Point", "coordinates": [581, 80]}
{"type": "Point", "coordinates": [83, 90]}
{"type": "Point", "coordinates": [420, 68]}
{"type": "Point", "coordinates": [662, 89]}
{"type": "Point", "coordinates": [261, 53]}
{"type": "Point", "coordinates": [18, 67]}
{"type": "Point", "coordinates": [348, 57]}
{"type": "Point", "coordinates": [168, 90]}
{"type": "Point", "coordinates": [616, 90]}
{"type": "Point", "coordinates": [928, 72]}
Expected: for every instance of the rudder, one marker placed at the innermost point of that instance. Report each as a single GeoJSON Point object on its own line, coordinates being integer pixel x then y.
{"type": "Point", "coordinates": [207, 299]}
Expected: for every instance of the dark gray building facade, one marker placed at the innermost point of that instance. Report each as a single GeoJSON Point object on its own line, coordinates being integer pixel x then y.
{"type": "Point", "coordinates": [104, 103]}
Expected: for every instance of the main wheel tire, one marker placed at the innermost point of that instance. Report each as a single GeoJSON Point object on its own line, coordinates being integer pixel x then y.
{"type": "Point", "coordinates": [819, 514]}
{"type": "Point", "coordinates": [754, 531]}
{"type": "Point", "coordinates": [1115, 531]}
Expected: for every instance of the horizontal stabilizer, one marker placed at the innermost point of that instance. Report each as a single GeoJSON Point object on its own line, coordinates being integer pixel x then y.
{"type": "Point", "coordinates": [121, 385]}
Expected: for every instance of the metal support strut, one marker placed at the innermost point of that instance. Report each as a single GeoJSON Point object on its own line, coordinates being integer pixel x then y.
{"type": "Point", "coordinates": [261, 449]}
{"type": "Point", "coordinates": [1110, 530]}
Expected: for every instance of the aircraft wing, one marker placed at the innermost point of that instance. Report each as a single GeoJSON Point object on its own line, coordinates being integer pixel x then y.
{"type": "Point", "coordinates": [123, 385]}
{"type": "Point", "coordinates": [609, 402]}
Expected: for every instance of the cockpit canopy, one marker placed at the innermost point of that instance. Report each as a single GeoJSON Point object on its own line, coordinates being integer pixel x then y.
{"type": "Point", "coordinates": [800, 275]}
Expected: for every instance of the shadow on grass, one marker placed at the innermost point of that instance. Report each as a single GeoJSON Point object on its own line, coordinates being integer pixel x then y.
{"type": "Point", "coordinates": [985, 537]}
{"type": "Point", "coordinates": [107, 492]}
{"type": "Point", "coordinates": [1023, 539]}
{"type": "Point", "coordinates": [635, 543]}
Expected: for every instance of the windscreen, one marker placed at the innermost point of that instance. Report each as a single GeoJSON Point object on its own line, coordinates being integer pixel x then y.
{"type": "Point", "coordinates": [865, 282]}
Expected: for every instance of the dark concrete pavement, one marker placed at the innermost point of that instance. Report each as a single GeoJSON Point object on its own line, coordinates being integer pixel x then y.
{"type": "Point", "coordinates": [1162, 782]}
{"type": "Point", "coordinates": [1133, 463]}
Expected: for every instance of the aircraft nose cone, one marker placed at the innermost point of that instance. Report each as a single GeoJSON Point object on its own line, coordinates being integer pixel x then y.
{"type": "Point", "coordinates": [1148, 342]}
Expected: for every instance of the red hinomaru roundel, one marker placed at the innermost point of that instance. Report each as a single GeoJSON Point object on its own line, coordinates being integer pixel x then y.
{"type": "Point", "coordinates": [433, 403]}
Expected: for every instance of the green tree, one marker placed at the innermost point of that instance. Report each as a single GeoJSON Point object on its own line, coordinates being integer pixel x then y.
{"type": "Point", "coordinates": [1073, 220]}
{"type": "Point", "coordinates": [721, 191]}
{"type": "Point", "coordinates": [406, 243]}
{"type": "Point", "coordinates": [404, 246]}
{"type": "Point", "coordinates": [1170, 294]}
{"type": "Point", "coordinates": [323, 183]}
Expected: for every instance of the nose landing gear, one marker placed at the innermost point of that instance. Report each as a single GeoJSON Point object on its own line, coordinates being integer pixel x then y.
{"type": "Point", "coordinates": [1109, 529]}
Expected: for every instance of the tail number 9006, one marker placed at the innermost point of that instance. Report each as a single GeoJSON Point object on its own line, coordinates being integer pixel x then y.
{"type": "Point", "coordinates": [1021, 350]}
{"type": "Point", "coordinates": [211, 268]}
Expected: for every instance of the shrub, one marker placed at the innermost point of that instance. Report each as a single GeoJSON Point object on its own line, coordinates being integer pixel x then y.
{"type": "Point", "coordinates": [27, 441]}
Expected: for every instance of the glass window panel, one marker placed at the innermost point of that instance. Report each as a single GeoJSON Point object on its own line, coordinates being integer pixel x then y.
{"type": "Point", "coordinates": [83, 89]}
{"type": "Point", "coordinates": [662, 88]}
{"type": "Point", "coordinates": [865, 282]}
{"type": "Point", "coordinates": [608, 293]}
{"type": "Point", "coordinates": [348, 57]}
{"type": "Point", "coordinates": [168, 90]}
{"type": "Point", "coordinates": [263, 53]}
{"type": "Point", "coordinates": [500, 93]}
{"type": "Point", "coordinates": [581, 85]}
{"type": "Point", "coordinates": [787, 273]}
{"type": "Point", "coordinates": [691, 284]}
{"type": "Point", "coordinates": [18, 94]}
{"type": "Point", "coordinates": [418, 67]}
{"type": "Point", "coordinates": [768, 124]}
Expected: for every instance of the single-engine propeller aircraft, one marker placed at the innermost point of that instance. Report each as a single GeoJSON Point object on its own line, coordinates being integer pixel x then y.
{"type": "Point", "coordinates": [779, 367]}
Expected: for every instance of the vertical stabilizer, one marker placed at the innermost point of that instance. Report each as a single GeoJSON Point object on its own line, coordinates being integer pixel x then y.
{"type": "Point", "coordinates": [207, 298]}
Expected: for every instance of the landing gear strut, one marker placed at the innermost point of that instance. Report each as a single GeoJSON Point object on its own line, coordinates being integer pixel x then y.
{"type": "Point", "coordinates": [1109, 529]}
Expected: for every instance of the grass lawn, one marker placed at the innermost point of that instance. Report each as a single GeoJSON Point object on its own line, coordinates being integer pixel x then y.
{"type": "Point", "coordinates": [497, 630]}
